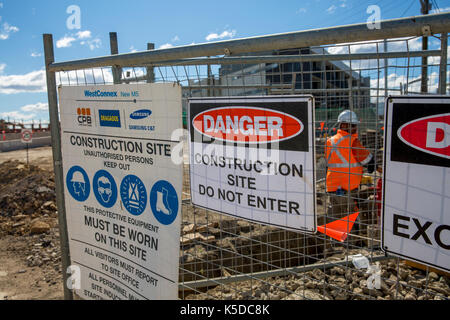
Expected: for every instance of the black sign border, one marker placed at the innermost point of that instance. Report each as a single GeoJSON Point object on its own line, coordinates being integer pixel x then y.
{"type": "Point", "coordinates": [250, 98]}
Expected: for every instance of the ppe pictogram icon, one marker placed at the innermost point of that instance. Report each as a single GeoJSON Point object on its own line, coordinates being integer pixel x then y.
{"type": "Point", "coordinates": [161, 202]}
{"type": "Point", "coordinates": [105, 188]}
{"type": "Point", "coordinates": [164, 202]}
{"type": "Point", "coordinates": [77, 182]}
{"type": "Point", "coordinates": [133, 194]}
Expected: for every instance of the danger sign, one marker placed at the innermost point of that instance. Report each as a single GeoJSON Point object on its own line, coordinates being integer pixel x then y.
{"type": "Point", "coordinates": [253, 158]}
{"type": "Point", "coordinates": [26, 135]}
{"type": "Point", "coordinates": [416, 206]}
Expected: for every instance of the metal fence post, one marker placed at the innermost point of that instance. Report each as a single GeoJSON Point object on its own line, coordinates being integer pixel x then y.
{"type": "Point", "coordinates": [116, 71]}
{"type": "Point", "coordinates": [150, 70]}
{"type": "Point", "coordinates": [385, 49]}
{"type": "Point", "coordinates": [57, 160]}
{"type": "Point", "coordinates": [443, 64]}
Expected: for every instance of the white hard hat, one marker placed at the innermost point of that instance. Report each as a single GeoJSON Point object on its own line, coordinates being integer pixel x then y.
{"type": "Point", "coordinates": [348, 116]}
{"type": "Point", "coordinates": [77, 177]}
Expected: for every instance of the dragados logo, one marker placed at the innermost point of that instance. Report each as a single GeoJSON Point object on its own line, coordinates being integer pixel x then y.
{"type": "Point", "coordinates": [247, 124]}
{"type": "Point", "coordinates": [109, 118]}
{"type": "Point", "coordinates": [140, 114]}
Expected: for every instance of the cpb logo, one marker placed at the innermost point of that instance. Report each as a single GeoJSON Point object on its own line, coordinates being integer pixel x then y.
{"type": "Point", "coordinates": [84, 117]}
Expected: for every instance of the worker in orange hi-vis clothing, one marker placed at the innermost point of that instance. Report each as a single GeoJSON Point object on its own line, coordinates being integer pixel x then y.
{"type": "Point", "coordinates": [346, 157]}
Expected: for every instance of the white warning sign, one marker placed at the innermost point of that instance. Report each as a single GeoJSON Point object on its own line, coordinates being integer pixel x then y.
{"type": "Point", "coordinates": [122, 189]}
{"type": "Point", "coordinates": [416, 182]}
{"type": "Point", "coordinates": [253, 158]}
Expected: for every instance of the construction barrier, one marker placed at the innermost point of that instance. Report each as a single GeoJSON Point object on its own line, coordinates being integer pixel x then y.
{"type": "Point", "coordinates": [350, 67]}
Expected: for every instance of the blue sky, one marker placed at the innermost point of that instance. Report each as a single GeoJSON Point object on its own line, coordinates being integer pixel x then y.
{"type": "Point", "coordinates": [166, 23]}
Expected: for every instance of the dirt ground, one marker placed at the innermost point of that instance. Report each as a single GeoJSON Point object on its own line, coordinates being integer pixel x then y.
{"type": "Point", "coordinates": [41, 157]}
{"type": "Point", "coordinates": [29, 263]}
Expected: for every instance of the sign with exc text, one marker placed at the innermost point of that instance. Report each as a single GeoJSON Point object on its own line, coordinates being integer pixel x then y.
{"type": "Point", "coordinates": [416, 182]}
{"type": "Point", "coordinates": [122, 191]}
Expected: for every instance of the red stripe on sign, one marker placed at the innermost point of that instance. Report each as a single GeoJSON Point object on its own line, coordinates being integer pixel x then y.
{"type": "Point", "coordinates": [247, 124]}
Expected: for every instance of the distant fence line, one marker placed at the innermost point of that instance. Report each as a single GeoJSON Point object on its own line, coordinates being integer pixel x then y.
{"type": "Point", "coordinates": [13, 141]}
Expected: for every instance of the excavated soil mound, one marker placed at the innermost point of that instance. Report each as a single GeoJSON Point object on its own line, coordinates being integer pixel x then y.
{"type": "Point", "coordinates": [27, 198]}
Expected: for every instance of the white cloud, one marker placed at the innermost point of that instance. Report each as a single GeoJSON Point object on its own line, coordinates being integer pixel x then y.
{"type": "Point", "coordinates": [397, 44]}
{"type": "Point", "coordinates": [17, 115]}
{"type": "Point", "coordinates": [2, 67]}
{"type": "Point", "coordinates": [36, 54]}
{"type": "Point", "coordinates": [79, 77]}
{"type": "Point", "coordinates": [175, 39]}
{"type": "Point", "coordinates": [132, 49]}
{"type": "Point", "coordinates": [40, 106]}
{"type": "Point", "coordinates": [440, 10]}
{"type": "Point", "coordinates": [83, 34]}
{"type": "Point", "coordinates": [33, 81]}
{"type": "Point", "coordinates": [332, 9]}
{"type": "Point", "coordinates": [343, 4]}
{"type": "Point", "coordinates": [65, 42]}
{"type": "Point", "coordinates": [397, 81]}
{"type": "Point", "coordinates": [6, 29]}
{"type": "Point", "coordinates": [93, 44]}
{"type": "Point", "coordinates": [1, 5]}
{"type": "Point", "coordinates": [166, 46]}
{"type": "Point", "coordinates": [301, 10]}
{"type": "Point", "coordinates": [223, 35]}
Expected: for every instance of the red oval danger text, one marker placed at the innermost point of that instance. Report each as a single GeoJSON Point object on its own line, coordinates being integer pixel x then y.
{"type": "Point", "coordinates": [429, 134]}
{"type": "Point", "coordinates": [247, 124]}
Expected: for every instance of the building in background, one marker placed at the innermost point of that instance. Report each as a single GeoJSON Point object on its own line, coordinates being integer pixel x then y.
{"type": "Point", "coordinates": [333, 84]}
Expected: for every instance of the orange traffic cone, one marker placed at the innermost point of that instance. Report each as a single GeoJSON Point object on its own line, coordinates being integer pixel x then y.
{"type": "Point", "coordinates": [339, 229]}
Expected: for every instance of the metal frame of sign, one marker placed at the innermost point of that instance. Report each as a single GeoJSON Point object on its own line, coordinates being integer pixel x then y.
{"type": "Point", "coordinates": [390, 100]}
{"type": "Point", "coordinates": [264, 99]}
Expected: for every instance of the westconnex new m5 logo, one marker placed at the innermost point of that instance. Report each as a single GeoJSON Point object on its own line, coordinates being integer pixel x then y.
{"type": "Point", "coordinates": [98, 93]}
{"type": "Point", "coordinates": [109, 118]}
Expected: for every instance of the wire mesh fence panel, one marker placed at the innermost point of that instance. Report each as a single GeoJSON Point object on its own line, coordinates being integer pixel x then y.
{"type": "Point", "coordinates": [223, 257]}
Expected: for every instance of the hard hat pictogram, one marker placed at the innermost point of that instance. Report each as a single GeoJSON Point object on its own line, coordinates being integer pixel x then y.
{"type": "Point", "coordinates": [77, 183]}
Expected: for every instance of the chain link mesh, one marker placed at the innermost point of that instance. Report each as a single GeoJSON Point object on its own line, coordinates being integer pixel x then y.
{"type": "Point", "coordinates": [228, 258]}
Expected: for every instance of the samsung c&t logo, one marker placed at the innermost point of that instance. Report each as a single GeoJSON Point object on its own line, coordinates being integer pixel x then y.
{"type": "Point", "coordinates": [109, 118]}
{"type": "Point", "coordinates": [143, 125]}
{"type": "Point", "coordinates": [140, 114]}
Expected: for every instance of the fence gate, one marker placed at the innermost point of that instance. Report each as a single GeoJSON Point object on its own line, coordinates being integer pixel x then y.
{"type": "Point", "coordinates": [349, 67]}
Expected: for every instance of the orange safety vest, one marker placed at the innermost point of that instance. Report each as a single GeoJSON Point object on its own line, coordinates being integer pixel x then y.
{"type": "Point", "coordinates": [345, 160]}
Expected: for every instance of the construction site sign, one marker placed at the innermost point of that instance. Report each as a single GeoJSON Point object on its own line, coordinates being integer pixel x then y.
{"type": "Point", "coordinates": [416, 182]}
{"type": "Point", "coordinates": [122, 191]}
{"type": "Point", "coordinates": [253, 158]}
